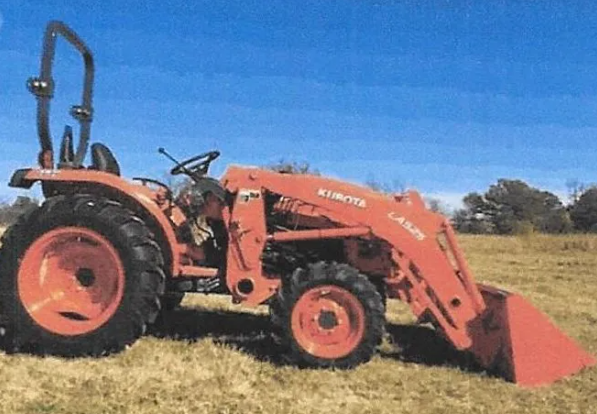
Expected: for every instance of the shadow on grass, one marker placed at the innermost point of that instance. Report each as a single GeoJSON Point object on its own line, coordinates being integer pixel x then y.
{"type": "Point", "coordinates": [251, 334]}
{"type": "Point", "coordinates": [244, 331]}
{"type": "Point", "coordinates": [422, 345]}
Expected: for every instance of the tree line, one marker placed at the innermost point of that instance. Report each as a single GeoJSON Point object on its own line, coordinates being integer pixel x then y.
{"type": "Point", "coordinates": [9, 212]}
{"type": "Point", "coordinates": [514, 207]}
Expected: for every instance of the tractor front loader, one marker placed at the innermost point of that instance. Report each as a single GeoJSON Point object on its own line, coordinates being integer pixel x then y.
{"type": "Point", "coordinates": [85, 273]}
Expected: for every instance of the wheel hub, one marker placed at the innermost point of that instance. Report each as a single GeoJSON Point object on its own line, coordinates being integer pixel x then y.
{"type": "Point", "coordinates": [328, 320]}
{"type": "Point", "coordinates": [85, 277]}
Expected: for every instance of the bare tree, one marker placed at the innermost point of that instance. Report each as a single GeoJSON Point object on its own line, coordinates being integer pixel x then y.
{"type": "Point", "coordinates": [437, 206]}
{"type": "Point", "coordinates": [395, 186]}
{"type": "Point", "coordinates": [575, 189]}
{"type": "Point", "coordinates": [292, 167]}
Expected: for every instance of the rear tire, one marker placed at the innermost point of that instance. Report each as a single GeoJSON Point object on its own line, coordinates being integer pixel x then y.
{"type": "Point", "coordinates": [327, 316]}
{"type": "Point", "coordinates": [80, 275]}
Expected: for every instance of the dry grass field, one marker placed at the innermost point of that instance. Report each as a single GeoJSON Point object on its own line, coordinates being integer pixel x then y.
{"type": "Point", "coordinates": [216, 358]}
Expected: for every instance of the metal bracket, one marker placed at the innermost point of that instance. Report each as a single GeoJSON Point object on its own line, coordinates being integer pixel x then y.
{"type": "Point", "coordinates": [42, 88]}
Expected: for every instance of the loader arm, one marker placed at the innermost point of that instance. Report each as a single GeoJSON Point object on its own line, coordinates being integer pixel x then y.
{"type": "Point", "coordinates": [430, 276]}
{"type": "Point", "coordinates": [428, 270]}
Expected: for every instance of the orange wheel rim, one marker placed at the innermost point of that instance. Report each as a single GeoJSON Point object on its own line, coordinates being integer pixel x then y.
{"type": "Point", "coordinates": [328, 322]}
{"type": "Point", "coordinates": [71, 280]}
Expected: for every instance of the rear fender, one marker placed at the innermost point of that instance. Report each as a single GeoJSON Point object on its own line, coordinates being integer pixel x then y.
{"type": "Point", "coordinates": [138, 198]}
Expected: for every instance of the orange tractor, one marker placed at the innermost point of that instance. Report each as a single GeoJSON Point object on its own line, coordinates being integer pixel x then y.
{"type": "Point", "coordinates": [89, 270]}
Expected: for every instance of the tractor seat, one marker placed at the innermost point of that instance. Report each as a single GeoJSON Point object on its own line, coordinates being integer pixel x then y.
{"type": "Point", "coordinates": [102, 159]}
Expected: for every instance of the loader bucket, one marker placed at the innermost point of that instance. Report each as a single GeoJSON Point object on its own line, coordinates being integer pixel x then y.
{"type": "Point", "coordinates": [517, 341]}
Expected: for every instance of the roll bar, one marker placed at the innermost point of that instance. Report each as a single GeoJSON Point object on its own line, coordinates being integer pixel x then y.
{"type": "Point", "coordinates": [43, 89]}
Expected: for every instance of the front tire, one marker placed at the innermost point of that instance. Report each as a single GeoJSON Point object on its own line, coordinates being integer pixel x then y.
{"type": "Point", "coordinates": [327, 315]}
{"type": "Point", "coordinates": [81, 275]}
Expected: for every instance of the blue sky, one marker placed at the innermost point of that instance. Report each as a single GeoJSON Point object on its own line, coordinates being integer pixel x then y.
{"type": "Point", "coordinates": [445, 97]}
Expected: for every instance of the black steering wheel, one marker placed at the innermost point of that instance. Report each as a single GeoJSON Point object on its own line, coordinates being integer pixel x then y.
{"type": "Point", "coordinates": [199, 164]}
